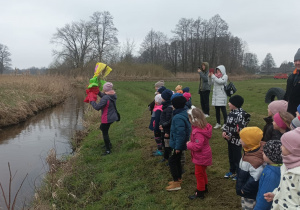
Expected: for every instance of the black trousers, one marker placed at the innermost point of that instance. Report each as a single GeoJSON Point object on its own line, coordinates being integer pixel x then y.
{"type": "Point", "coordinates": [167, 150]}
{"type": "Point", "coordinates": [175, 165]}
{"type": "Point", "coordinates": [235, 155]}
{"type": "Point", "coordinates": [204, 100]}
{"type": "Point", "coordinates": [104, 127]}
{"type": "Point", "coordinates": [224, 112]}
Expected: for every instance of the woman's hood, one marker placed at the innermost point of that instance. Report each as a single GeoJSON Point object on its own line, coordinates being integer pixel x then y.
{"type": "Point", "coordinates": [222, 69]}
{"type": "Point", "coordinates": [206, 66]}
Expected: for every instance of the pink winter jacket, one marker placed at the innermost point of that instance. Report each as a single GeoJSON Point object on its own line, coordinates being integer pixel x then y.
{"type": "Point", "coordinates": [199, 145]}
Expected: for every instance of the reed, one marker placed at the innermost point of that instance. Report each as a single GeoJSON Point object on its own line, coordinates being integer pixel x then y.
{"type": "Point", "coordinates": [24, 95]}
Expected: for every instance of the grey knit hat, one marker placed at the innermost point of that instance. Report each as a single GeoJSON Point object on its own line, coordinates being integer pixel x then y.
{"type": "Point", "coordinates": [297, 56]}
{"type": "Point", "coordinates": [295, 123]}
{"type": "Point", "coordinates": [159, 84]}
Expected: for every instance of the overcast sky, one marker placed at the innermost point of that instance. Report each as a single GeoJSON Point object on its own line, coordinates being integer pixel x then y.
{"type": "Point", "coordinates": [268, 26]}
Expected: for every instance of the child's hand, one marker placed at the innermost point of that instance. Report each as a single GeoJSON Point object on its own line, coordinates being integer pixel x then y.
{"type": "Point", "coordinates": [167, 135]}
{"type": "Point", "coordinates": [177, 151]}
{"type": "Point", "coordinates": [188, 142]}
{"type": "Point", "coordinates": [225, 136]}
{"type": "Point", "coordinates": [160, 127]}
{"type": "Point", "coordinates": [269, 196]}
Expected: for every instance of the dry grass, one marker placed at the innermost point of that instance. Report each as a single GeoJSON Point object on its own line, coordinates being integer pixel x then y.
{"type": "Point", "coordinates": [23, 96]}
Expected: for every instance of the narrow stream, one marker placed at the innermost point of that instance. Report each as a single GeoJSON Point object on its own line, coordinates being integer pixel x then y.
{"type": "Point", "coordinates": [26, 145]}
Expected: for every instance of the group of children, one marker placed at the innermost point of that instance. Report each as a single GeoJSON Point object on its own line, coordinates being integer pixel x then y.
{"type": "Point", "coordinates": [265, 163]}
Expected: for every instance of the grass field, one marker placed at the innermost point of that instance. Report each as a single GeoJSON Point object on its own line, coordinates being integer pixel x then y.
{"type": "Point", "coordinates": [130, 177]}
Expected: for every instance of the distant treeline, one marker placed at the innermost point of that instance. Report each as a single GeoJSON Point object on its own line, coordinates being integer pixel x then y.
{"type": "Point", "coordinates": [83, 43]}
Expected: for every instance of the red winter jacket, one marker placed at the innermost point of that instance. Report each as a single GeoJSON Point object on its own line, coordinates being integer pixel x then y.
{"type": "Point", "coordinates": [199, 145]}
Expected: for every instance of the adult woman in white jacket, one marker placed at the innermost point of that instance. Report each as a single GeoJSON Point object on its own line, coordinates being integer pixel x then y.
{"type": "Point", "coordinates": [219, 97]}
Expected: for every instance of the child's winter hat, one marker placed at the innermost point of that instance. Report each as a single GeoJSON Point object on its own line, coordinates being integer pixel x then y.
{"type": "Point", "coordinates": [159, 84]}
{"type": "Point", "coordinates": [290, 140]}
{"type": "Point", "coordinates": [178, 87]}
{"type": "Point", "coordinates": [187, 90]}
{"type": "Point", "coordinates": [107, 86]}
{"type": "Point", "coordinates": [178, 102]}
{"type": "Point", "coordinates": [190, 112]}
{"type": "Point", "coordinates": [158, 99]}
{"type": "Point", "coordinates": [277, 119]}
{"type": "Point", "coordinates": [237, 101]}
{"type": "Point", "coordinates": [272, 150]}
{"type": "Point", "coordinates": [175, 95]}
{"type": "Point", "coordinates": [277, 106]}
{"type": "Point", "coordinates": [295, 123]}
{"type": "Point", "coordinates": [167, 94]}
{"type": "Point", "coordinates": [298, 109]}
{"type": "Point", "coordinates": [161, 89]}
{"type": "Point", "coordinates": [251, 136]}
{"type": "Point", "coordinates": [187, 96]}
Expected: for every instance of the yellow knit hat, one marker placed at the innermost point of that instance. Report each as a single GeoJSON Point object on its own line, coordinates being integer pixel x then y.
{"type": "Point", "coordinates": [251, 136]}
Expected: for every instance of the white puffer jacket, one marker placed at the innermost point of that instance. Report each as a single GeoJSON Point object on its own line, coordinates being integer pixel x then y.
{"type": "Point", "coordinates": [219, 97]}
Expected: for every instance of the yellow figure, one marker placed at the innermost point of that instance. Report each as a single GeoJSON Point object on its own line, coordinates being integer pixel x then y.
{"type": "Point", "coordinates": [102, 70]}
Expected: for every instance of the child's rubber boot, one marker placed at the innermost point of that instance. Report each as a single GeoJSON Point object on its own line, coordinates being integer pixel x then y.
{"type": "Point", "coordinates": [198, 194]}
{"type": "Point", "coordinates": [174, 186]}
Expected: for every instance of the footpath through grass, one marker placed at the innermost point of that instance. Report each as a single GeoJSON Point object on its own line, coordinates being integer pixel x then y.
{"type": "Point", "coordinates": [130, 177]}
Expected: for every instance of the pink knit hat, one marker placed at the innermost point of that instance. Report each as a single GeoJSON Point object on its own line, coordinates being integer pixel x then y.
{"type": "Point", "coordinates": [290, 140]}
{"type": "Point", "coordinates": [277, 106]}
{"type": "Point", "coordinates": [187, 96]}
{"type": "Point", "coordinates": [107, 86]}
{"type": "Point", "coordinates": [277, 119]}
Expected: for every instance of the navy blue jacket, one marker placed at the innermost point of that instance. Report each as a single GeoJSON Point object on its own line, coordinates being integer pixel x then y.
{"type": "Point", "coordinates": [166, 116]}
{"type": "Point", "coordinates": [268, 181]}
{"type": "Point", "coordinates": [180, 129]}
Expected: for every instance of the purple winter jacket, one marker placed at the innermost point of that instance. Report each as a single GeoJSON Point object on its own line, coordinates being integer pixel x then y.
{"type": "Point", "coordinates": [199, 145]}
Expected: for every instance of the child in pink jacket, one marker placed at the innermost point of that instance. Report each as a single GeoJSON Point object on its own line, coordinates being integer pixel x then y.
{"type": "Point", "coordinates": [200, 149]}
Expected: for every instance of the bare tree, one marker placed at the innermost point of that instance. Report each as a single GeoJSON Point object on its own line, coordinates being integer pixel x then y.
{"type": "Point", "coordinates": [250, 62]}
{"type": "Point", "coordinates": [218, 29]}
{"type": "Point", "coordinates": [4, 58]}
{"type": "Point", "coordinates": [105, 35]}
{"type": "Point", "coordinates": [127, 51]}
{"type": "Point", "coordinates": [153, 48]}
{"type": "Point", "coordinates": [268, 63]}
{"type": "Point", "coordinates": [75, 41]}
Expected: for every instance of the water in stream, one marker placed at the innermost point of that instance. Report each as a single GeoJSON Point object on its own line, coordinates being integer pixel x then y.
{"type": "Point", "coordinates": [25, 146]}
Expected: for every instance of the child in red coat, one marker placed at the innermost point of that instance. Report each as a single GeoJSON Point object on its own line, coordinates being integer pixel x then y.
{"type": "Point", "coordinates": [200, 149]}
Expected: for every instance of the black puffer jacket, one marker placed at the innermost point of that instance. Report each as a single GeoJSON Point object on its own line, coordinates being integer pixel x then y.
{"type": "Point", "coordinates": [166, 116]}
{"type": "Point", "coordinates": [292, 94]}
{"type": "Point", "coordinates": [269, 132]}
